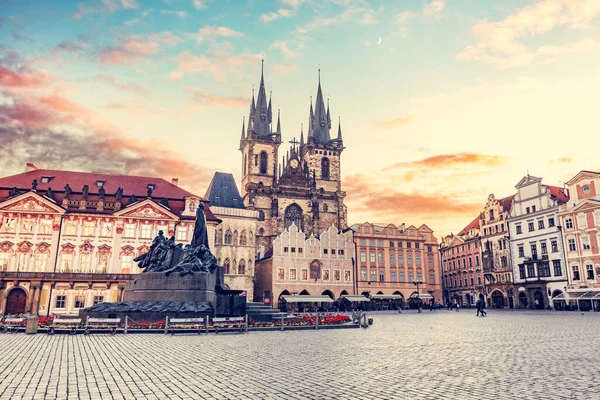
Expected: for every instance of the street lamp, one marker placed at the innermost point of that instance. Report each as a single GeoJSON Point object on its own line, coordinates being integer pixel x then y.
{"type": "Point", "coordinates": [417, 283]}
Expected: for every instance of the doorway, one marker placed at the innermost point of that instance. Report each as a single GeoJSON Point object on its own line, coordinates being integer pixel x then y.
{"type": "Point", "coordinates": [497, 299]}
{"type": "Point", "coordinates": [538, 300]}
{"type": "Point", "coordinates": [15, 302]}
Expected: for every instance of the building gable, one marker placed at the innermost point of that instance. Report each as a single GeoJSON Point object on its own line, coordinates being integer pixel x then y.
{"type": "Point", "coordinates": [583, 175]}
{"type": "Point", "coordinates": [31, 202]}
{"type": "Point", "coordinates": [146, 209]}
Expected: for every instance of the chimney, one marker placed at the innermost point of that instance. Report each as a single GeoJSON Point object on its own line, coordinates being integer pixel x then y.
{"type": "Point", "coordinates": [31, 167]}
{"type": "Point", "coordinates": [175, 181]}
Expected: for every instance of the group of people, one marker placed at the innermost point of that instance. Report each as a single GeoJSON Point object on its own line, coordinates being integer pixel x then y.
{"type": "Point", "coordinates": [480, 304]}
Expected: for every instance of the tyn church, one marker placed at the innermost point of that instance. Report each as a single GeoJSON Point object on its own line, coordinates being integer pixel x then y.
{"type": "Point", "coordinates": [305, 187]}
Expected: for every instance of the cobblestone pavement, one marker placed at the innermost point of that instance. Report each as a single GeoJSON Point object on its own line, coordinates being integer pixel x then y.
{"type": "Point", "coordinates": [434, 355]}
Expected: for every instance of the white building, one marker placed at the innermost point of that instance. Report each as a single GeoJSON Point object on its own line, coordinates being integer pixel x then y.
{"type": "Point", "coordinates": [536, 246]}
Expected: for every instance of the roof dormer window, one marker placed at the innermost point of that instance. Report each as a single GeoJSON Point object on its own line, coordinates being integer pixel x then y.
{"type": "Point", "coordinates": [100, 183]}
{"type": "Point", "coordinates": [46, 179]}
{"type": "Point", "coordinates": [151, 186]}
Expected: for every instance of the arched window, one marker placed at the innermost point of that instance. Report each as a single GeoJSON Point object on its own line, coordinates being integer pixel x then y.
{"type": "Point", "coordinates": [245, 163]}
{"type": "Point", "coordinates": [227, 265]}
{"type": "Point", "coordinates": [250, 238]}
{"type": "Point", "coordinates": [261, 231]}
{"type": "Point", "coordinates": [325, 168]}
{"type": "Point", "coordinates": [228, 237]}
{"type": "Point", "coordinates": [293, 214]}
{"type": "Point", "coordinates": [243, 238]}
{"type": "Point", "coordinates": [242, 267]}
{"type": "Point", "coordinates": [325, 207]}
{"type": "Point", "coordinates": [235, 238]}
{"type": "Point", "coordinates": [219, 238]}
{"type": "Point", "coordinates": [233, 267]}
{"type": "Point", "coordinates": [263, 162]}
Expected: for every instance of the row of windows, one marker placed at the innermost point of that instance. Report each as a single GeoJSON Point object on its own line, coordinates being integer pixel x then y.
{"type": "Point", "coordinates": [233, 268]}
{"type": "Point", "coordinates": [23, 262]}
{"type": "Point", "coordinates": [462, 282]}
{"type": "Point", "coordinates": [585, 243]}
{"type": "Point", "coordinates": [27, 226]}
{"type": "Point", "coordinates": [325, 274]}
{"type": "Point", "coordinates": [531, 225]}
{"type": "Point", "coordinates": [394, 276]}
{"type": "Point", "coordinates": [462, 249]}
{"type": "Point", "coordinates": [542, 270]}
{"type": "Point", "coordinates": [232, 238]}
{"type": "Point", "coordinates": [490, 230]}
{"type": "Point", "coordinates": [589, 270]}
{"type": "Point", "coordinates": [78, 301]}
{"type": "Point", "coordinates": [451, 265]}
{"type": "Point", "coordinates": [87, 262]}
{"type": "Point", "coordinates": [381, 259]}
{"type": "Point", "coordinates": [380, 243]}
{"type": "Point", "coordinates": [543, 248]}
{"type": "Point", "coordinates": [582, 222]}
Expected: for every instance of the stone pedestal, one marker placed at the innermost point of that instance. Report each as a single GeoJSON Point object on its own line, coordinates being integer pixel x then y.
{"type": "Point", "coordinates": [32, 325]}
{"type": "Point", "coordinates": [156, 286]}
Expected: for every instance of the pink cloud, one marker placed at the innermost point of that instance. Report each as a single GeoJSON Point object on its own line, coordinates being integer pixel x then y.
{"type": "Point", "coordinates": [130, 49]}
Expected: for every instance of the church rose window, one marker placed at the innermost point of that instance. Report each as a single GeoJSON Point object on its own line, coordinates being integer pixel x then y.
{"type": "Point", "coordinates": [293, 214]}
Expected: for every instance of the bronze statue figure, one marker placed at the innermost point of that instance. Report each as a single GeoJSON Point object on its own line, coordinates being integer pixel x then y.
{"type": "Point", "coordinates": [67, 191]}
{"type": "Point", "coordinates": [85, 191]}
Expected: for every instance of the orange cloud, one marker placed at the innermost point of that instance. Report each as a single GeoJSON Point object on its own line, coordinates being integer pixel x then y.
{"type": "Point", "coordinates": [203, 98]}
{"type": "Point", "coordinates": [130, 49]}
{"type": "Point", "coordinates": [451, 159]}
{"type": "Point", "coordinates": [390, 123]}
{"type": "Point", "coordinates": [9, 78]}
{"type": "Point", "coordinates": [388, 204]}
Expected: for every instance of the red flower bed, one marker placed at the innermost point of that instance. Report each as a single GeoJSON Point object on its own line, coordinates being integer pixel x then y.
{"type": "Point", "coordinates": [305, 320]}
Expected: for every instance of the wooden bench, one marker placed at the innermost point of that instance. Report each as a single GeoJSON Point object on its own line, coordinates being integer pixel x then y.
{"type": "Point", "coordinates": [101, 323]}
{"type": "Point", "coordinates": [238, 323]}
{"type": "Point", "coordinates": [172, 323]}
{"type": "Point", "coordinates": [12, 324]}
{"type": "Point", "coordinates": [65, 323]}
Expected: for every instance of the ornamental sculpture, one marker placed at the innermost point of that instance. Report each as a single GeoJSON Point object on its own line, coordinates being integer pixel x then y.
{"type": "Point", "coordinates": [165, 256]}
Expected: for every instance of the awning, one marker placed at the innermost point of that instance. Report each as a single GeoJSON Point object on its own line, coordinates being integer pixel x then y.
{"type": "Point", "coordinates": [307, 299]}
{"type": "Point", "coordinates": [589, 295]}
{"type": "Point", "coordinates": [355, 299]}
{"type": "Point", "coordinates": [387, 297]}
{"type": "Point", "coordinates": [421, 296]}
{"type": "Point", "coordinates": [560, 296]}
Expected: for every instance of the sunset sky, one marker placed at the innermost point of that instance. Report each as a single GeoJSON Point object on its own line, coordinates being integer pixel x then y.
{"type": "Point", "coordinates": [460, 99]}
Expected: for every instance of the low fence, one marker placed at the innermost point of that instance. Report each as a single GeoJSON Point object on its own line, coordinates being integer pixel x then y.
{"type": "Point", "coordinates": [173, 325]}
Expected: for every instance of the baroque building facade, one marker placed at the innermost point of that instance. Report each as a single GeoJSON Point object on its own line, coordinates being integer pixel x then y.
{"type": "Point", "coordinates": [536, 243]}
{"type": "Point", "coordinates": [580, 219]}
{"type": "Point", "coordinates": [495, 252]}
{"type": "Point", "coordinates": [234, 244]}
{"type": "Point", "coordinates": [70, 247]}
{"type": "Point", "coordinates": [303, 189]}
{"type": "Point", "coordinates": [301, 263]}
{"type": "Point", "coordinates": [462, 268]}
{"type": "Point", "coordinates": [390, 259]}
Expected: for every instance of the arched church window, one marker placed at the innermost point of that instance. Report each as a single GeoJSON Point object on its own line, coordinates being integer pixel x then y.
{"type": "Point", "coordinates": [261, 215]}
{"type": "Point", "coordinates": [243, 239]}
{"type": "Point", "coordinates": [233, 267]}
{"type": "Point", "coordinates": [242, 267]}
{"type": "Point", "coordinates": [325, 168]}
{"type": "Point", "coordinates": [325, 207]}
{"type": "Point", "coordinates": [235, 238]}
{"type": "Point", "coordinates": [219, 238]}
{"type": "Point", "coordinates": [228, 237]}
{"type": "Point", "coordinates": [261, 231]}
{"type": "Point", "coordinates": [245, 163]}
{"type": "Point", "coordinates": [250, 238]}
{"type": "Point", "coordinates": [293, 214]}
{"type": "Point", "coordinates": [227, 265]}
{"type": "Point", "coordinates": [263, 162]}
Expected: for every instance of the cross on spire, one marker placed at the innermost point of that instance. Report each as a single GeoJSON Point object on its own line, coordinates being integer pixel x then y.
{"type": "Point", "coordinates": [294, 142]}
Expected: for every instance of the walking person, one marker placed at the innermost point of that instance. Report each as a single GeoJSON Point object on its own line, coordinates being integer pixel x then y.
{"type": "Point", "coordinates": [481, 307]}
{"type": "Point", "coordinates": [457, 306]}
{"type": "Point", "coordinates": [478, 305]}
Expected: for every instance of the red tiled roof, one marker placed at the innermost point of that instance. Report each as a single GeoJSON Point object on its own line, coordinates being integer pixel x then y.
{"type": "Point", "coordinates": [131, 185]}
{"type": "Point", "coordinates": [506, 202]}
{"type": "Point", "coordinates": [473, 224]}
{"type": "Point", "coordinates": [558, 193]}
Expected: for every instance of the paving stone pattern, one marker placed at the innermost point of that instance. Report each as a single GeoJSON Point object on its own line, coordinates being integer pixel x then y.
{"type": "Point", "coordinates": [434, 355]}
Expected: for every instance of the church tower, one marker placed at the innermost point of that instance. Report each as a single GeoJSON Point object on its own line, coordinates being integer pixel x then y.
{"type": "Point", "coordinates": [259, 145]}
{"type": "Point", "coordinates": [322, 154]}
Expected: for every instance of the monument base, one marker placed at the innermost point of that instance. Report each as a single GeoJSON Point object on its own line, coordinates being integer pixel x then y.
{"type": "Point", "coordinates": [153, 296]}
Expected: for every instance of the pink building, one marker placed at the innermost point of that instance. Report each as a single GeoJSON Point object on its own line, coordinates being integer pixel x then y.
{"type": "Point", "coordinates": [461, 266]}
{"type": "Point", "coordinates": [580, 219]}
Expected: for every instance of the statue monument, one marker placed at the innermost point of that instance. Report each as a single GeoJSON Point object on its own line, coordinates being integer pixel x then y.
{"type": "Point", "coordinates": [176, 281]}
